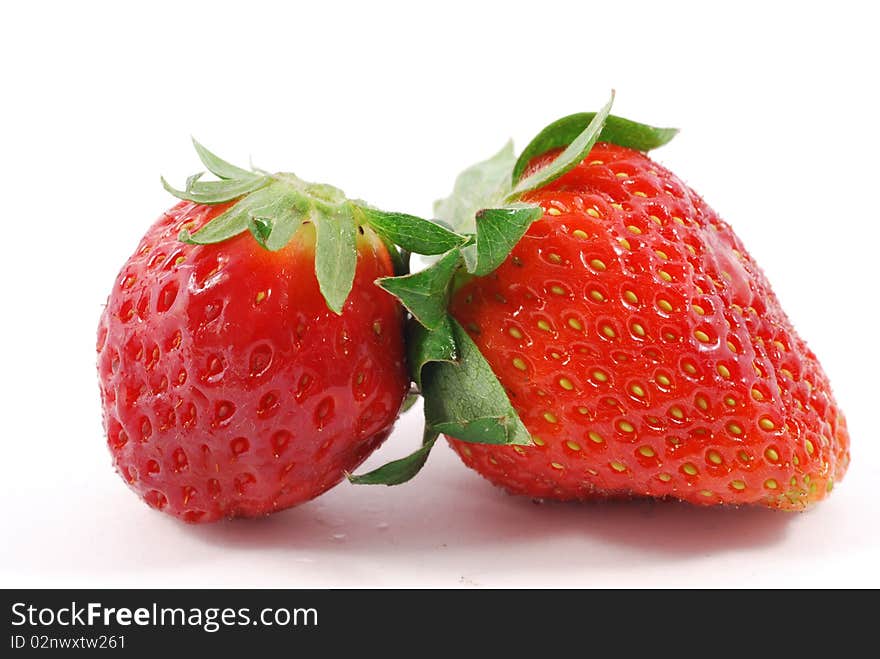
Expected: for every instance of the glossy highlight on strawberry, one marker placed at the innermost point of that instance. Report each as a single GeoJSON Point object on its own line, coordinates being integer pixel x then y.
{"type": "Point", "coordinates": [645, 351]}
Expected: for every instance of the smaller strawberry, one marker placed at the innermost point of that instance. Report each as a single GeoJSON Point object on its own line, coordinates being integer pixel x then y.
{"type": "Point", "coordinates": [246, 359]}
{"type": "Point", "coordinates": [637, 343]}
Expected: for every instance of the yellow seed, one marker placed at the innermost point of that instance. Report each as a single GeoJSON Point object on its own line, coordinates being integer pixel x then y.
{"type": "Point", "coordinates": [723, 371]}
{"type": "Point", "coordinates": [638, 330]}
{"type": "Point", "coordinates": [556, 465]}
{"type": "Point", "coordinates": [574, 323]}
{"type": "Point", "coordinates": [637, 390]}
{"type": "Point", "coordinates": [664, 477]}
{"type": "Point", "coordinates": [707, 493]}
{"type": "Point", "coordinates": [771, 484]}
{"type": "Point", "coordinates": [597, 296]}
{"type": "Point", "coordinates": [538, 441]}
{"type": "Point", "coordinates": [583, 410]}
{"type": "Point", "coordinates": [701, 336]}
{"type": "Point", "coordinates": [787, 373]}
{"type": "Point", "coordinates": [549, 417]}
{"type": "Point", "coordinates": [557, 290]}
{"type": "Point", "coordinates": [592, 212]}
{"type": "Point", "coordinates": [631, 297]}
{"type": "Point", "coordinates": [464, 449]}
{"type": "Point", "coordinates": [766, 424]}
{"type": "Point", "coordinates": [600, 376]}
{"type": "Point", "coordinates": [519, 363]}
{"type": "Point", "coordinates": [574, 446]}
{"type": "Point", "coordinates": [634, 229]}
{"type": "Point", "coordinates": [677, 412]}
{"type": "Point", "coordinates": [492, 460]}
{"type": "Point", "coordinates": [665, 276]}
{"type": "Point", "coordinates": [734, 428]}
{"type": "Point", "coordinates": [647, 451]}
{"type": "Point", "coordinates": [261, 295]}
{"type": "Point", "coordinates": [810, 448]}
{"type": "Point", "coordinates": [639, 193]}
{"type": "Point", "coordinates": [714, 457]}
{"type": "Point", "coordinates": [830, 485]}
{"type": "Point", "coordinates": [757, 395]}
{"type": "Point", "coordinates": [689, 368]}
{"type": "Point", "coordinates": [579, 233]}
{"type": "Point", "coordinates": [554, 258]}
{"type": "Point", "coordinates": [698, 309]}
{"type": "Point", "coordinates": [618, 466]}
{"type": "Point", "coordinates": [702, 403]}
{"type": "Point", "coordinates": [595, 437]}
{"type": "Point", "coordinates": [689, 469]}
{"type": "Point", "coordinates": [624, 243]}
{"type": "Point", "coordinates": [597, 162]}
{"type": "Point", "coordinates": [544, 325]}
{"type": "Point", "coordinates": [554, 211]}
{"type": "Point", "coordinates": [597, 264]}
{"type": "Point", "coordinates": [519, 450]}
{"type": "Point", "coordinates": [664, 304]}
{"type": "Point", "coordinates": [691, 249]}
{"type": "Point", "coordinates": [662, 379]}
{"type": "Point", "coordinates": [625, 426]}
{"type": "Point", "coordinates": [608, 331]}
{"type": "Point", "coordinates": [771, 455]}
{"type": "Point", "coordinates": [565, 383]}
{"type": "Point", "coordinates": [730, 401]}
{"type": "Point", "coordinates": [617, 206]}
{"type": "Point", "coordinates": [780, 345]}
{"type": "Point", "coordinates": [661, 254]}
{"type": "Point", "coordinates": [738, 485]}
{"type": "Point", "coordinates": [622, 175]}
{"type": "Point", "coordinates": [678, 220]}
{"type": "Point", "coordinates": [731, 346]}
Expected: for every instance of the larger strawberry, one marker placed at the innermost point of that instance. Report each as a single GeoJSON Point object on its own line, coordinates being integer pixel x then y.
{"type": "Point", "coordinates": [247, 366]}
{"type": "Point", "coordinates": [639, 343]}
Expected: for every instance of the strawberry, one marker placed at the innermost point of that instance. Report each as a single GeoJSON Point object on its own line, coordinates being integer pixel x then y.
{"type": "Point", "coordinates": [243, 372]}
{"type": "Point", "coordinates": [639, 344]}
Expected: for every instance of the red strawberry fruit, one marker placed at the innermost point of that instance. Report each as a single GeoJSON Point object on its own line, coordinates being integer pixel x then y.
{"type": "Point", "coordinates": [639, 343]}
{"type": "Point", "coordinates": [247, 367]}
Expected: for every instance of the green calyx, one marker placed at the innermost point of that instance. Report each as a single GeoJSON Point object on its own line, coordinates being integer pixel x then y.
{"type": "Point", "coordinates": [272, 207]}
{"type": "Point", "coordinates": [462, 396]}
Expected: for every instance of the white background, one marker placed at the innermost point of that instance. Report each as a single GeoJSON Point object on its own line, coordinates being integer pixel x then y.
{"type": "Point", "coordinates": [778, 106]}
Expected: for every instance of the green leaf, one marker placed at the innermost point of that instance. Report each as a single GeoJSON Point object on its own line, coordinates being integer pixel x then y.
{"type": "Point", "coordinates": [232, 221]}
{"type": "Point", "coordinates": [425, 293]}
{"type": "Point", "coordinates": [335, 253]}
{"type": "Point", "coordinates": [425, 346]}
{"type": "Point", "coordinates": [191, 180]}
{"type": "Point", "coordinates": [399, 471]}
{"type": "Point", "coordinates": [479, 186]}
{"type": "Point", "coordinates": [411, 399]}
{"type": "Point", "coordinates": [260, 229]}
{"type": "Point", "coordinates": [219, 167]}
{"type": "Point", "coordinates": [278, 219]}
{"type": "Point", "coordinates": [498, 230]}
{"type": "Point", "coordinates": [412, 233]}
{"type": "Point", "coordinates": [216, 192]}
{"type": "Point", "coordinates": [617, 130]}
{"type": "Point", "coordinates": [574, 153]}
{"type": "Point", "coordinates": [465, 399]}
